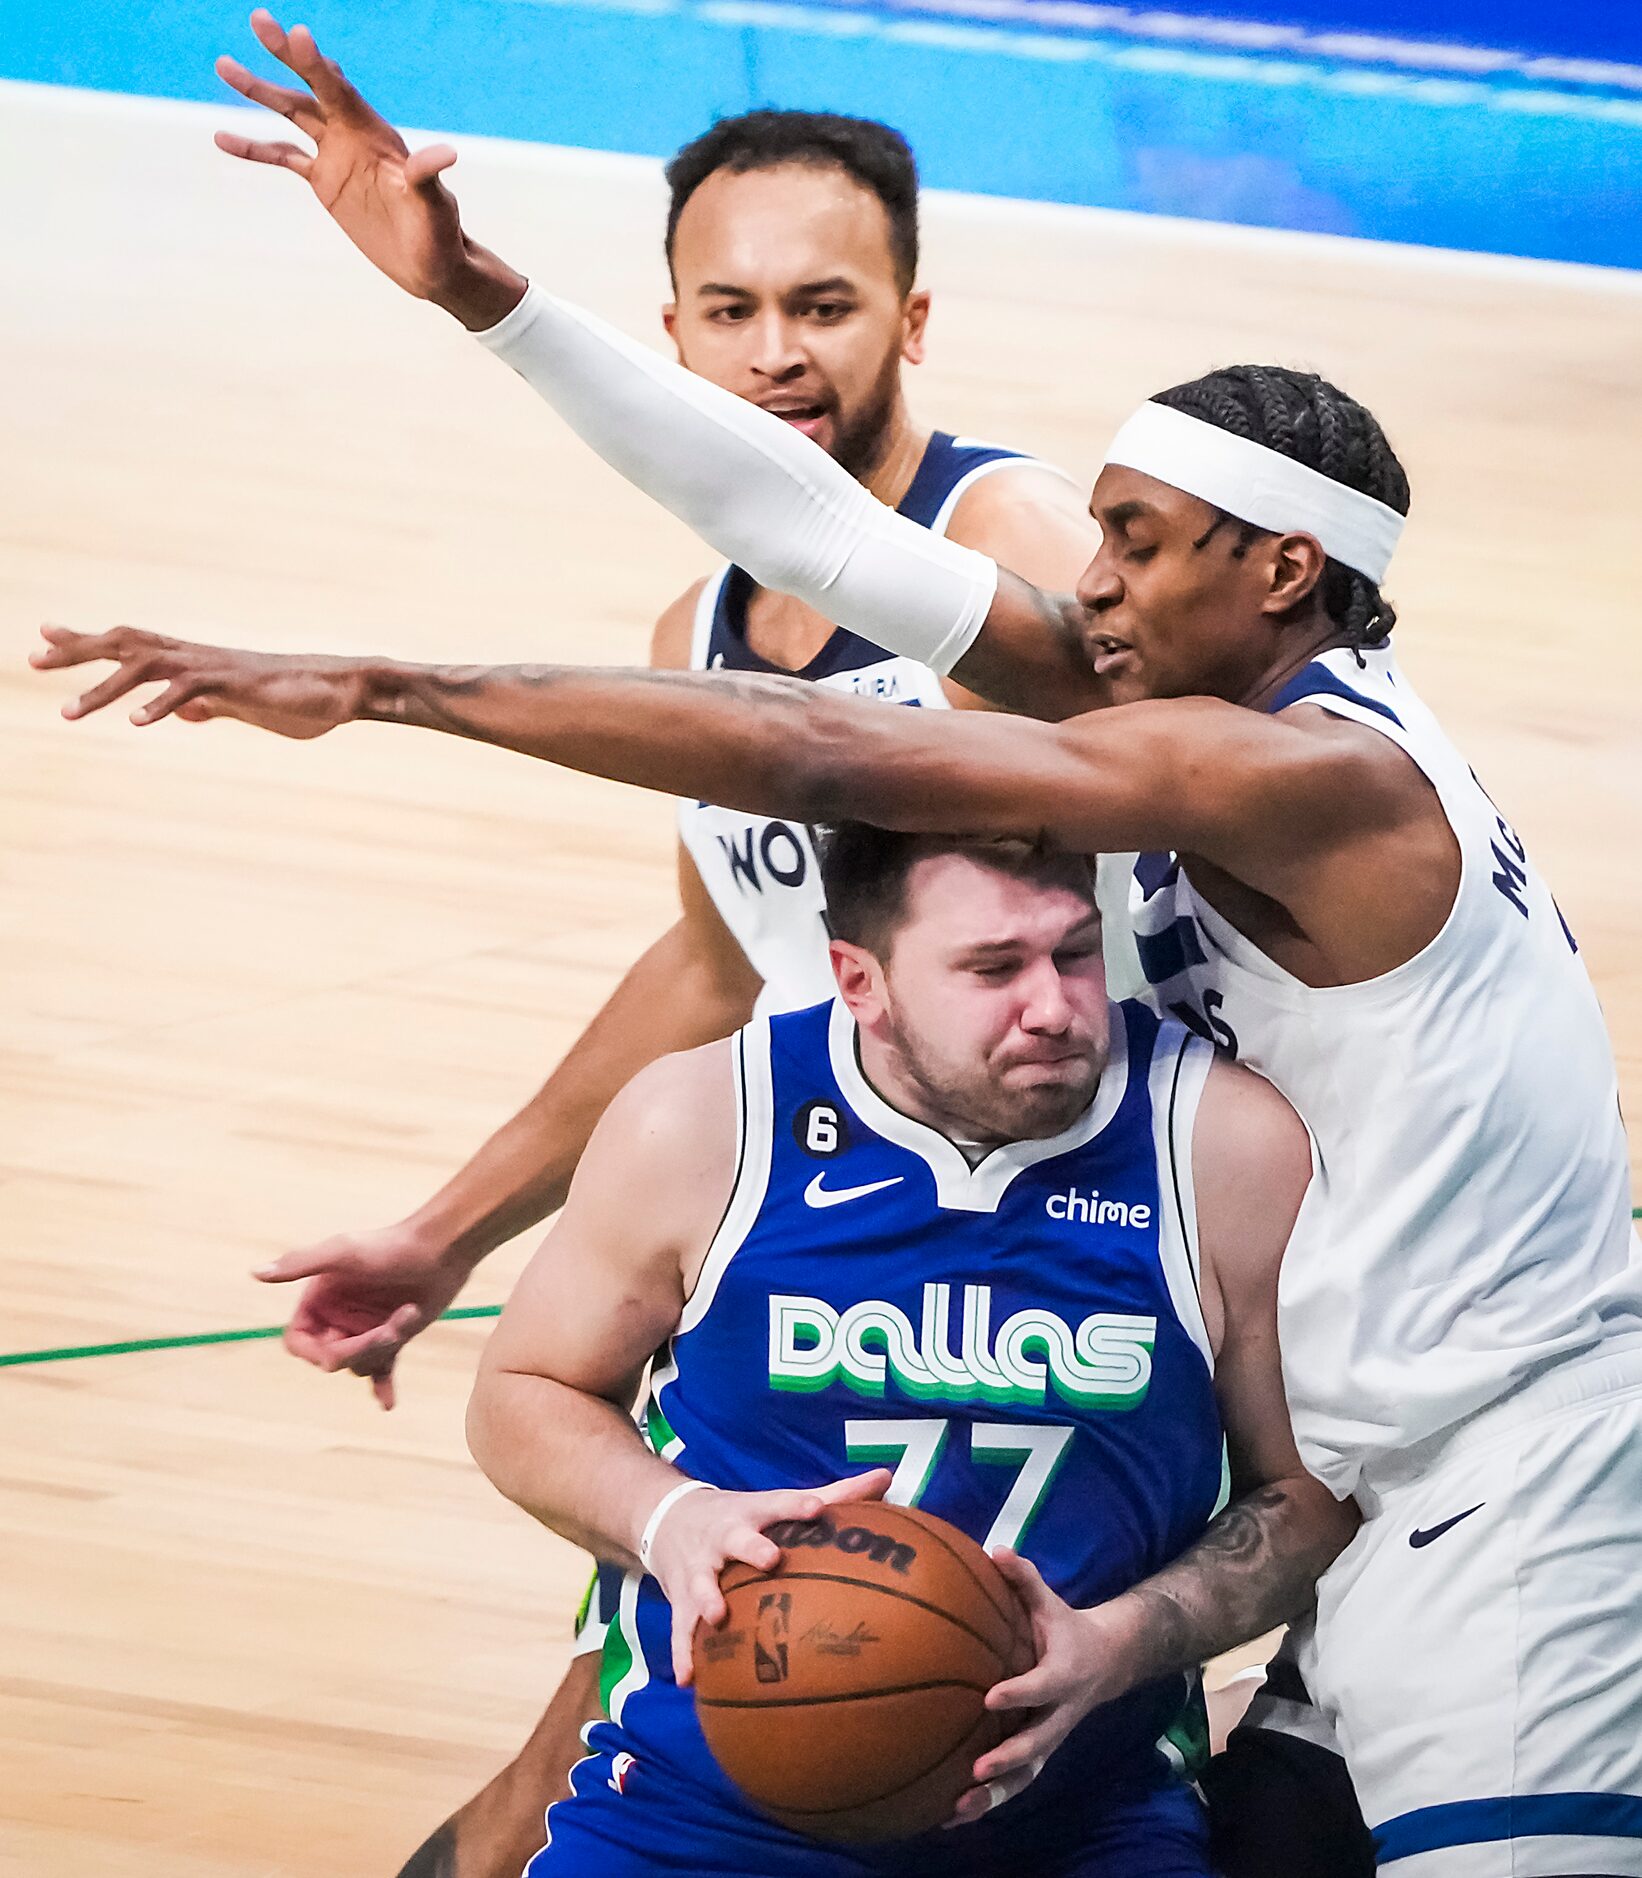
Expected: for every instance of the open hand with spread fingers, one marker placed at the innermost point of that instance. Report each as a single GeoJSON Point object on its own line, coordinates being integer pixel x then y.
{"type": "Point", "coordinates": [289, 695]}
{"type": "Point", "coordinates": [388, 200]}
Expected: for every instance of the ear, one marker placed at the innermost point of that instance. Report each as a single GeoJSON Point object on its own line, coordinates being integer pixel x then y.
{"type": "Point", "coordinates": [860, 981]}
{"type": "Point", "coordinates": [914, 318]}
{"type": "Point", "coordinates": [1296, 566]}
{"type": "Point", "coordinates": [669, 321]}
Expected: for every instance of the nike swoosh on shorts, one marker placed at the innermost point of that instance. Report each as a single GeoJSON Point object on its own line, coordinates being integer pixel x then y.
{"type": "Point", "coordinates": [1425, 1536]}
{"type": "Point", "coordinates": [817, 1195]}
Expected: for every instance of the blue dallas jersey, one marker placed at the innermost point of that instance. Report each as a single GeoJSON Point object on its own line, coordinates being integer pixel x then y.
{"type": "Point", "coordinates": [1021, 1341]}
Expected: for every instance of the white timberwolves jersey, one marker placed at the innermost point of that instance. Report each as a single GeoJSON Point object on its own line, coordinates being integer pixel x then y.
{"type": "Point", "coordinates": [1468, 1222]}
{"type": "Point", "coordinates": [762, 874]}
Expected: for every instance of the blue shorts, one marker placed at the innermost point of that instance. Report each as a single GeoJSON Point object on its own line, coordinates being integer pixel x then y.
{"type": "Point", "coordinates": [632, 1818]}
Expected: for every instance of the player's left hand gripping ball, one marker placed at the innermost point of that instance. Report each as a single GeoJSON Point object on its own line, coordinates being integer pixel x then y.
{"type": "Point", "coordinates": [1071, 1675]}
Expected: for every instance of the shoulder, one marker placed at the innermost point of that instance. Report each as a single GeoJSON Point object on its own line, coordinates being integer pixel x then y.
{"type": "Point", "coordinates": [1349, 781]}
{"type": "Point", "coordinates": [1251, 1165]}
{"type": "Point", "coordinates": [1251, 1153]}
{"type": "Point", "coordinates": [1030, 519]}
{"type": "Point", "coordinates": [1349, 745]}
{"type": "Point", "coordinates": [652, 1185]}
{"type": "Point", "coordinates": [1250, 1113]}
{"type": "Point", "coordinates": [666, 1144]}
{"type": "Point", "coordinates": [1251, 786]}
{"type": "Point", "coordinates": [1019, 485]}
{"type": "Point", "coordinates": [680, 1106]}
{"type": "Point", "coordinates": [672, 634]}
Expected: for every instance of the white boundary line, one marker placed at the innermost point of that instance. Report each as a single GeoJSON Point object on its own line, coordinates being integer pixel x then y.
{"type": "Point", "coordinates": [1131, 224]}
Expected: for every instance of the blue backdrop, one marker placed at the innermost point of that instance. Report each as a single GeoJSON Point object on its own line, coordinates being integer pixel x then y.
{"type": "Point", "coordinates": [1518, 132]}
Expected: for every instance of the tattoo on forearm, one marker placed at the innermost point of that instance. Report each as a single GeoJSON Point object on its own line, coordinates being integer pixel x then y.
{"type": "Point", "coordinates": [1256, 1567]}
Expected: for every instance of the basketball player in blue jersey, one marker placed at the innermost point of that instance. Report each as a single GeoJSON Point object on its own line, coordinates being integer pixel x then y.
{"type": "Point", "coordinates": [968, 1214]}
{"type": "Point", "coordinates": [1328, 893]}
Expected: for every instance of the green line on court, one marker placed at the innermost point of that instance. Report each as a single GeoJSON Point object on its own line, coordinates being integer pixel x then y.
{"type": "Point", "coordinates": [73, 1352]}
{"type": "Point", "coordinates": [135, 1345]}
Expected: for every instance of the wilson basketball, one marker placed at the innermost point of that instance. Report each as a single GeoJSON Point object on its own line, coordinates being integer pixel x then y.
{"type": "Point", "coordinates": [844, 1694]}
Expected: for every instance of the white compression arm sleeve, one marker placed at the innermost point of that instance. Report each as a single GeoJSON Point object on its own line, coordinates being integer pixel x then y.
{"type": "Point", "coordinates": [753, 488]}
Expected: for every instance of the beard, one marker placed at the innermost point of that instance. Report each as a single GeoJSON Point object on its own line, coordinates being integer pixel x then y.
{"type": "Point", "coordinates": [859, 446]}
{"type": "Point", "coordinates": [980, 1107]}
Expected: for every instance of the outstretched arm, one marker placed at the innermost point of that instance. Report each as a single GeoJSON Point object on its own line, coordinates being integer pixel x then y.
{"type": "Point", "coordinates": [1259, 795]}
{"type": "Point", "coordinates": [761, 494]}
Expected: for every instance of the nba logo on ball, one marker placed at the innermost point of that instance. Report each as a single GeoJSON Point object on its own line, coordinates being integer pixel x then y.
{"type": "Point", "coordinates": [770, 1638]}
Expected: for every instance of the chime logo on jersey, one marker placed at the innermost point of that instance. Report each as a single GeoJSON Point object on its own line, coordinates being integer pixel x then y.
{"type": "Point", "coordinates": [1105, 1363]}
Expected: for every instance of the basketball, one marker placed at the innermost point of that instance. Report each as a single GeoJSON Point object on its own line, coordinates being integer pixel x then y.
{"type": "Point", "coordinates": [845, 1692]}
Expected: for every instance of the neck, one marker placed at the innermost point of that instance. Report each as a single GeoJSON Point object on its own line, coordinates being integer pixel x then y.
{"type": "Point", "coordinates": [896, 453]}
{"type": "Point", "coordinates": [1322, 636]}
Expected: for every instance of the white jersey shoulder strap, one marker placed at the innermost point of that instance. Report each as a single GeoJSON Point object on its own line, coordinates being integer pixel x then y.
{"type": "Point", "coordinates": [755, 1112]}
{"type": "Point", "coordinates": [701, 626]}
{"type": "Point", "coordinates": [1179, 1072]}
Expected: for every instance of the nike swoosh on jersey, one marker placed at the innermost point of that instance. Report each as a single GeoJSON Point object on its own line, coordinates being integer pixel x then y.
{"type": "Point", "coordinates": [817, 1195]}
{"type": "Point", "coordinates": [1428, 1533]}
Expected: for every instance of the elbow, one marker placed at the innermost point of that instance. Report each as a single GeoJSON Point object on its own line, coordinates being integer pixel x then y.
{"type": "Point", "coordinates": [1325, 1525]}
{"type": "Point", "coordinates": [480, 1428]}
{"type": "Point", "coordinates": [828, 797]}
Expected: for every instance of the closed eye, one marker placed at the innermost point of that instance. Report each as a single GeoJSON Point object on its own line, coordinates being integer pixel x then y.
{"type": "Point", "coordinates": [995, 974]}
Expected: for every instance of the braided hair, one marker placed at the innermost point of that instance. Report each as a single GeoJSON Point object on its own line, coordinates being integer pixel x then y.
{"type": "Point", "coordinates": [1304, 417]}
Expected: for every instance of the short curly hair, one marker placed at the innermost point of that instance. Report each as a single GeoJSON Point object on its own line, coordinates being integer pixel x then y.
{"type": "Point", "coordinates": [878, 158]}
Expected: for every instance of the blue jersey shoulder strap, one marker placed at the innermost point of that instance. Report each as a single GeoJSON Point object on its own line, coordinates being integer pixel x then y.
{"type": "Point", "coordinates": [1319, 680]}
{"type": "Point", "coordinates": [948, 467]}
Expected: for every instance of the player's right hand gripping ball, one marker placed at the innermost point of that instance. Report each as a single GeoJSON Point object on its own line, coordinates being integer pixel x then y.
{"type": "Point", "coordinates": [845, 1692]}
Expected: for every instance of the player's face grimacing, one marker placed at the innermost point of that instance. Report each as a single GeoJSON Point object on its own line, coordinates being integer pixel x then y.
{"type": "Point", "coordinates": [987, 1016]}
{"type": "Point", "coordinates": [787, 295]}
{"type": "Point", "coordinates": [1174, 605]}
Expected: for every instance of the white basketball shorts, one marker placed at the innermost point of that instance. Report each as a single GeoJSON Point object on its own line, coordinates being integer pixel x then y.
{"type": "Point", "coordinates": [1478, 1646]}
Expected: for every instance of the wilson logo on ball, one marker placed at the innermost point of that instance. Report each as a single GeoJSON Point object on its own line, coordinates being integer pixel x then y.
{"type": "Point", "coordinates": [791, 1534]}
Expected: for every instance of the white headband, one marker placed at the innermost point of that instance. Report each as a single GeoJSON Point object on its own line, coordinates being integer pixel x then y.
{"type": "Point", "coordinates": [1259, 485]}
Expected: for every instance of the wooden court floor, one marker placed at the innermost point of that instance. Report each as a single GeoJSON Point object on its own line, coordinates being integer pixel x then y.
{"type": "Point", "coordinates": [255, 992]}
